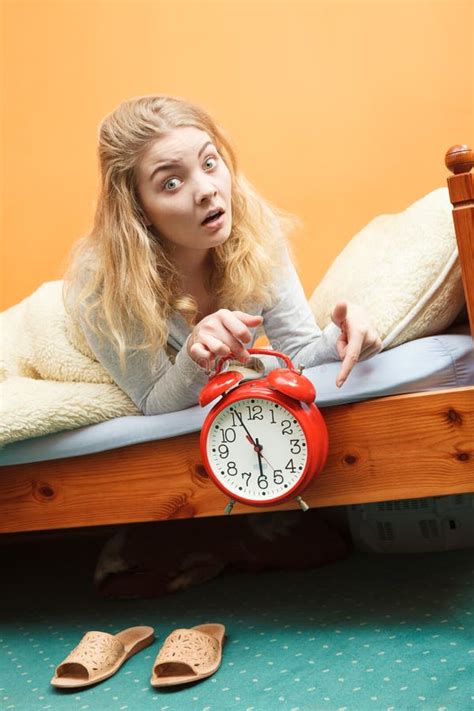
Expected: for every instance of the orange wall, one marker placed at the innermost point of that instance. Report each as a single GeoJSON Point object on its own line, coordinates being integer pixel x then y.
{"type": "Point", "coordinates": [339, 110]}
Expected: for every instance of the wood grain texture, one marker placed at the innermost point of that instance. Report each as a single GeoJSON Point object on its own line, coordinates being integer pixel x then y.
{"type": "Point", "coordinates": [390, 448]}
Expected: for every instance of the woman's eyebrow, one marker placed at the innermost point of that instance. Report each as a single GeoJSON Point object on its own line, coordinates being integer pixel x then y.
{"type": "Point", "coordinates": [173, 163]}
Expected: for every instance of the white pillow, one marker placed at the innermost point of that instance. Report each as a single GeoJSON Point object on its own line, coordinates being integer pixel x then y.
{"type": "Point", "coordinates": [403, 268]}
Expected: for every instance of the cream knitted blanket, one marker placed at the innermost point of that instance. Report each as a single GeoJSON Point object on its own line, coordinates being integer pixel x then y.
{"type": "Point", "coordinates": [50, 378]}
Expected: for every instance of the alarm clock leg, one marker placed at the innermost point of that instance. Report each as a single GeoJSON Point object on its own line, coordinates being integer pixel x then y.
{"type": "Point", "coordinates": [302, 503]}
{"type": "Point", "coordinates": [230, 506]}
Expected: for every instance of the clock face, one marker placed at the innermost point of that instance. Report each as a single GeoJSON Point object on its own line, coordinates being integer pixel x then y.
{"type": "Point", "coordinates": [257, 449]}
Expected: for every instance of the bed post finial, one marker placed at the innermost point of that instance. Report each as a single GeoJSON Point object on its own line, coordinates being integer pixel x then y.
{"type": "Point", "coordinates": [460, 161]}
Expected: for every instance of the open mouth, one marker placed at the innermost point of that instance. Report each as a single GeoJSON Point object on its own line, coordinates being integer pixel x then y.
{"type": "Point", "coordinates": [213, 217]}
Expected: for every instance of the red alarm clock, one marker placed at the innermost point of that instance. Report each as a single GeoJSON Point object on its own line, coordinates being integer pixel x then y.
{"type": "Point", "coordinates": [264, 440]}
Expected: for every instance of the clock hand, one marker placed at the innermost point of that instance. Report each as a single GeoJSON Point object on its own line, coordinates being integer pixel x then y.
{"type": "Point", "coordinates": [258, 447]}
{"type": "Point", "coordinates": [259, 458]}
{"type": "Point", "coordinates": [249, 436]}
{"type": "Point", "coordinates": [264, 457]}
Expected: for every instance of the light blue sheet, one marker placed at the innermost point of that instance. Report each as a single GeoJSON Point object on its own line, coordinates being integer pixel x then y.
{"type": "Point", "coordinates": [436, 362]}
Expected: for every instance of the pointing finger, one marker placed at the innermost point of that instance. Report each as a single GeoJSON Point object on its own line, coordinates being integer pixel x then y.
{"type": "Point", "coordinates": [348, 363]}
{"type": "Point", "coordinates": [351, 357]}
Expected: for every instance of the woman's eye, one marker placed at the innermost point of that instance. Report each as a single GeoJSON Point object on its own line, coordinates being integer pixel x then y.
{"type": "Point", "coordinates": [171, 184]}
{"type": "Point", "coordinates": [210, 162]}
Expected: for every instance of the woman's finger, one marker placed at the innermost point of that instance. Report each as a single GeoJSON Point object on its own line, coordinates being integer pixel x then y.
{"type": "Point", "coordinates": [250, 319]}
{"type": "Point", "coordinates": [339, 313]}
{"type": "Point", "coordinates": [236, 327]}
{"type": "Point", "coordinates": [348, 363]}
{"type": "Point", "coordinates": [202, 356]}
{"type": "Point", "coordinates": [351, 355]}
{"type": "Point", "coordinates": [223, 345]}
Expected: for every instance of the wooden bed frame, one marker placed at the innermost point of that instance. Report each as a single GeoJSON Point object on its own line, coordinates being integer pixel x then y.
{"type": "Point", "coordinates": [406, 446]}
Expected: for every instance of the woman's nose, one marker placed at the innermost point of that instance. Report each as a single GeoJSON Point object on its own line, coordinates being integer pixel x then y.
{"type": "Point", "coordinates": [205, 190]}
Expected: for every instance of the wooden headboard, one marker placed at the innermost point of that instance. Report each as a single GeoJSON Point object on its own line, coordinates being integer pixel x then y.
{"type": "Point", "coordinates": [460, 161]}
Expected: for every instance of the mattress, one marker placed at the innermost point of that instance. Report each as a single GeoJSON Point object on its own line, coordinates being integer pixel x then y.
{"type": "Point", "coordinates": [433, 363]}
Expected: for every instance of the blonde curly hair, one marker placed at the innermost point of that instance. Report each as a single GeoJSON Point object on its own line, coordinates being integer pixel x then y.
{"type": "Point", "coordinates": [120, 279]}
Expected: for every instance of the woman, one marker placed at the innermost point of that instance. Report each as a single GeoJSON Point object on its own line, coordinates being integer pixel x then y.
{"type": "Point", "coordinates": [185, 260]}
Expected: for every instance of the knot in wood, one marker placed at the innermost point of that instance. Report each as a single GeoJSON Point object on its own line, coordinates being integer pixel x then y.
{"type": "Point", "coordinates": [454, 416]}
{"type": "Point", "coordinates": [43, 491]}
{"type": "Point", "coordinates": [200, 470]}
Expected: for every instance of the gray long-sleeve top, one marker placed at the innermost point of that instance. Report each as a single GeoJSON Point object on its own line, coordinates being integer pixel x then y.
{"type": "Point", "coordinates": [158, 385]}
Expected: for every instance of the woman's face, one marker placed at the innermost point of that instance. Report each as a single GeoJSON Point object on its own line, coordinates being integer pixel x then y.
{"type": "Point", "coordinates": [181, 179]}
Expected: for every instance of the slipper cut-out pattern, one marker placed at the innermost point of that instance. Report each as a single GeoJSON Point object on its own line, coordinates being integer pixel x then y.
{"type": "Point", "coordinates": [97, 652]}
{"type": "Point", "coordinates": [194, 649]}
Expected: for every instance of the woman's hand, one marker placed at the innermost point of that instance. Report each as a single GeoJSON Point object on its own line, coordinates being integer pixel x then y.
{"type": "Point", "coordinates": [220, 334]}
{"type": "Point", "coordinates": [358, 340]}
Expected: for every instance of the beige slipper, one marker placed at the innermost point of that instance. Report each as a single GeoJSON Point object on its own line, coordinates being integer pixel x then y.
{"type": "Point", "coordinates": [189, 655]}
{"type": "Point", "coordinates": [99, 655]}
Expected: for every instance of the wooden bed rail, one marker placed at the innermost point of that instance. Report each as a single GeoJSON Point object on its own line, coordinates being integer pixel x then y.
{"type": "Point", "coordinates": [460, 161]}
{"type": "Point", "coordinates": [397, 447]}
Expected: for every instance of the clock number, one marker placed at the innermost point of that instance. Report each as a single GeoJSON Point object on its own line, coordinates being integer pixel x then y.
{"type": "Point", "coordinates": [248, 475]}
{"type": "Point", "coordinates": [295, 443]}
{"type": "Point", "coordinates": [273, 422]}
{"type": "Point", "coordinates": [231, 469]}
{"type": "Point", "coordinates": [228, 434]}
{"type": "Point", "coordinates": [223, 451]}
{"type": "Point", "coordinates": [262, 481]}
{"type": "Point", "coordinates": [255, 412]}
{"type": "Point", "coordinates": [235, 420]}
{"type": "Point", "coordinates": [277, 476]}
{"type": "Point", "coordinates": [291, 467]}
{"type": "Point", "coordinates": [286, 427]}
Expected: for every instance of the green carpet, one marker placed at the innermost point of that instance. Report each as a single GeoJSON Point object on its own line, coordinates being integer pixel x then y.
{"type": "Point", "coordinates": [370, 632]}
